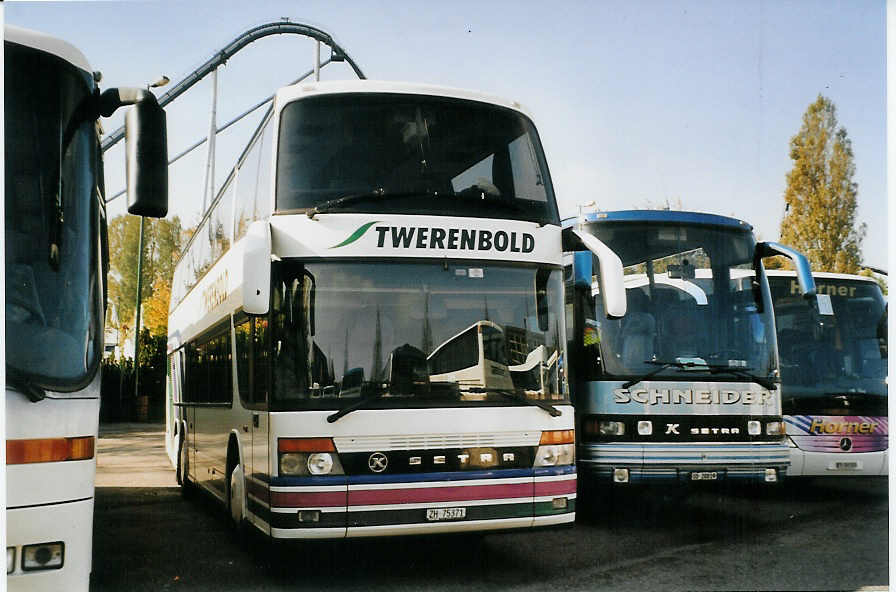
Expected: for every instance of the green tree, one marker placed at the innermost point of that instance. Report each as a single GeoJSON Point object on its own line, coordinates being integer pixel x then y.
{"type": "Point", "coordinates": [820, 198]}
{"type": "Point", "coordinates": [162, 240]}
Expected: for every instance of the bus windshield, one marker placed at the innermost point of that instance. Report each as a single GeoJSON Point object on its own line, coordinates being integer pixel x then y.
{"type": "Point", "coordinates": [831, 355]}
{"type": "Point", "coordinates": [415, 334]}
{"type": "Point", "coordinates": [53, 329]}
{"type": "Point", "coordinates": [412, 154]}
{"type": "Point", "coordinates": [692, 313]}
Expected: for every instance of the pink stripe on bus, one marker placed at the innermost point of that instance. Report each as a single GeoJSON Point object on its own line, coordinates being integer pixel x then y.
{"type": "Point", "coordinates": [369, 497]}
{"type": "Point", "coordinates": [555, 487]}
{"type": "Point", "coordinates": [311, 499]}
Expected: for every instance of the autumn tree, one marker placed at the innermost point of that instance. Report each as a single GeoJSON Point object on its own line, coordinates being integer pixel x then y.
{"type": "Point", "coordinates": [155, 308]}
{"type": "Point", "coordinates": [820, 198]}
{"type": "Point", "coordinates": [162, 240]}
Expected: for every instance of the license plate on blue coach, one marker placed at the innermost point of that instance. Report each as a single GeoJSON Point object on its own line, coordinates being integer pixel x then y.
{"type": "Point", "coordinates": [704, 476]}
{"type": "Point", "coordinates": [438, 514]}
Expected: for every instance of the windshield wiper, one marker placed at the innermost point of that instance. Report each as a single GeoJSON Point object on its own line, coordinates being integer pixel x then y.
{"type": "Point", "coordinates": [663, 366]}
{"type": "Point", "coordinates": [745, 372]}
{"type": "Point", "coordinates": [516, 396]}
{"type": "Point", "coordinates": [356, 405]}
{"type": "Point", "coordinates": [373, 194]}
{"type": "Point", "coordinates": [22, 384]}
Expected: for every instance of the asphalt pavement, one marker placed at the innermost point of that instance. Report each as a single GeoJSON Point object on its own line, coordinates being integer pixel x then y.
{"type": "Point", "coordinates": [824, 534]}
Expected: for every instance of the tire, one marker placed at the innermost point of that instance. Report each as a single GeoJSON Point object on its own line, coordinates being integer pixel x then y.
{"type": "Point", "coordinates": [236, 496]}
{"type": "Point", "coordinates": [183, 467]}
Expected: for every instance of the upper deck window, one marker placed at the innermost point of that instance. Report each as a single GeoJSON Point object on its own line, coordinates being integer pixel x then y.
{"type": "Point", "coordinates": [405, 153]}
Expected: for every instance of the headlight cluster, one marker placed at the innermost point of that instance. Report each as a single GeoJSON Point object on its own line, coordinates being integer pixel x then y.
{"type": "Point", "coordinates": [557, 447]}
{"type": "Point", "coordinates": [772, 428]}
{"type": "Point", "coordinates": [303, 457]}
{"type": "Point", "coordinates": [594, 427]}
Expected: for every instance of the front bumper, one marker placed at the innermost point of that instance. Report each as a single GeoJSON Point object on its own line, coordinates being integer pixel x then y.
{"type": "Point", "coordinates": [401, 504]}
{"type": "Point", "coordinates": [649, 463]}
{"type": "Point", "coordinates": [816, 464]}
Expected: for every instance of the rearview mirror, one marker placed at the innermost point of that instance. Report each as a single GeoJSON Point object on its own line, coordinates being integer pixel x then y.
{"type": "Point", "coordinates": [146, 145]}
{"type": "Point", "coordinates": [803, 272]}
{"type": "Point", "coordinates": [612, 277]}
{"type": "Point", "coordinates": [257, 268]}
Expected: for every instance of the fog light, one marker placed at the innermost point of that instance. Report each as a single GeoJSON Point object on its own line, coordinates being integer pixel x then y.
{"type": "Point", "coordinates": [43, 556]}
{"type": "Point", "coordinates": [645, 428]}
{"type": "Point", "coordinates": [10, 559]}
{"type": "Point", "coordinates": [620, 475]}
{"type": "Point", "coordinates": [754, 428]}
{"type": "Point", "coordinates": [309, 515]}
{"type": "Point", "coordinates": [771, 475]}
{"type": "Point", "coordinates": [559, 503]}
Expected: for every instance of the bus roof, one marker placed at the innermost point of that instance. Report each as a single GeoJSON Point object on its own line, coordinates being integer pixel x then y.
{"type": "Point", "coordinates": [305, 89]}
{"type": "Point", "coordinates": [825, 275]}
{"type": "Point", "coordinates": [48, 44]}
{"type": "Point", "coordinates": [659, 216]}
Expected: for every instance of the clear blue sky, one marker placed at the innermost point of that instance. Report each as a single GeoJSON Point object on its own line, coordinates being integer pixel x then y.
{"type": "Point", "coordinates": [636, 102]}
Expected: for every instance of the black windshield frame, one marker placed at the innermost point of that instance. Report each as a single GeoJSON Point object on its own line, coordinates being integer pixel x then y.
{"type": "Point", "coordinates": [413, 154]}
{"type": "Point", "coordinates": [416, 307]}
{"type": "Point", "coordinates": [54, 313]}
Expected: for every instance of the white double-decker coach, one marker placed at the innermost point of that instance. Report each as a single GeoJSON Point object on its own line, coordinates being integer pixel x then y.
{"type": "Point", "coordinates": [366, 225]}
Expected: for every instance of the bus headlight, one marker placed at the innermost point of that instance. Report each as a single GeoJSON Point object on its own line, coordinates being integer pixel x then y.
{"type": "Point", "coordinates": [611, 428]}
{"type": "Point", "coordinates": [774, 428]}
{"type": "Point", "coordinates": [320, 463]}
{"type": "Point", "coordinates": [555, 455]}
{"type": "Point", "coordinates": [301, 457]}
{"type": "Point", "coordinates": [291, 463]}
{"type": "Point", "coordinates": [754, 428]}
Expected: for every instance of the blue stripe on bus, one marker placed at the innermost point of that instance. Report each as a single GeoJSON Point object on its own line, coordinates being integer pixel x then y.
{"type": "Point", "coordinates": [455, 476]}
{"type": "Point", "coordinates": [549, 471]}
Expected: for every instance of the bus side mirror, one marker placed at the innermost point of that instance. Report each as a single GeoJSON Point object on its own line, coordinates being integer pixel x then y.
{"type": "Point", "coordinates": [257, 268]}
{"type": "Point", "coordinates": [612, 277]}
{"type": "Point", "coordinates": [146, 145]}
{"type": "Point", "coordinates": [803, 272]}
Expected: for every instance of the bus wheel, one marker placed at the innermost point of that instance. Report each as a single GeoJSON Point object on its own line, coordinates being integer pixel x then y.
{"type": "Point", "coordinates": [183, 466]}
{"type": "Point", "coordinates": [235, 499]}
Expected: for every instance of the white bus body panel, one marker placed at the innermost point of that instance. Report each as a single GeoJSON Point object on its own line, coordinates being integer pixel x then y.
{"type": "Point", "coordinates": [49, 502]}
{"type": "Point", "coordinates": [71, 523]}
